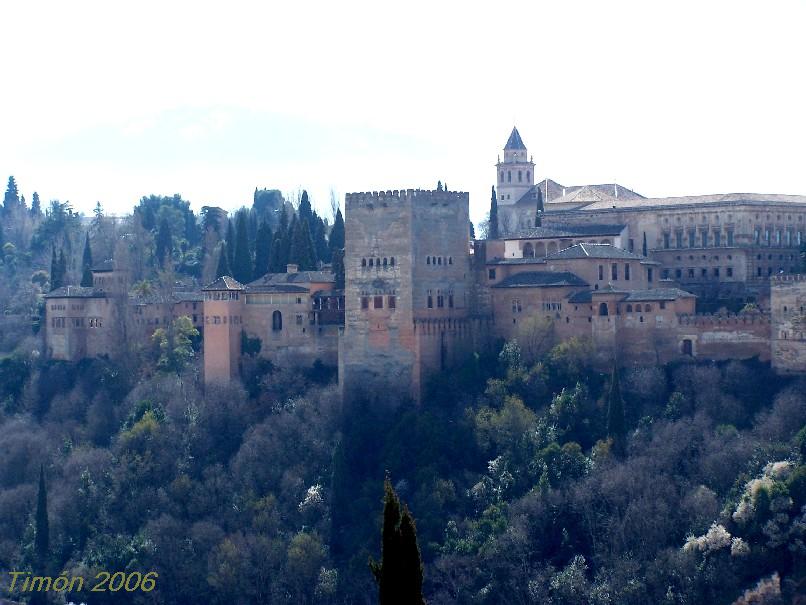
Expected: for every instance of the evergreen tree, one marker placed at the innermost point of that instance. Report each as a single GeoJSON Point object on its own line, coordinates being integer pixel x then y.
{"type": "Point", "coordinates": [319, 240]}
{"type": "Point", "coordinates": [55, 279]}
{"type": "Point", "coordinates": [12, 196]}
{"type": "Point", "coordinates": [616, 426]}
{"type": "Point", "coordinates": [86, 264]}
{"type": "Point", "coordinates": [23, 205]}
{"type": "Point", "coordinates": [263, 241]}
{"type": "Point", "coordinates": [336, 239]}
{"type": "Point", "coordinates": [644, 248]}
{"type": "Point", "coordinates": [338, 268]}
{"type": "Point", "coordinates": [42, 535]}
{"type": "Point", "coordinates": [288, 241]}
{"type": "Point", "coordinates": [230, 243]}
{"type": "Point", "coordinates": [472, 231]}
{"type": "Point", "coordinates": [242, 259]}
{"type": "Point", "coordinates": [399, 574]}
{"type": "Point", "coordinates": [164, 243]}
{"type": "Point", "coordinates": [439, 185]}
{"type": "Point", "coordinates": [62, 268]}
{"type": "Point", "coordinates": [305, 212]}
{"type": "Point", "coordinates": [36, 205]}
{"type": "Point", "coordinates": [492, 230]}
{"type": "Point", "coordinates": [223, 262]}
{"type": "Point", "coordinates": [302, 251]}
{"type": "Point", "coordinates": [276, 256]}
{"type": "Point", "coordinates": [539, 210]}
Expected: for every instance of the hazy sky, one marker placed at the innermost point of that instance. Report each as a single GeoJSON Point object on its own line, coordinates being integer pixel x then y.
{"type": "Point", "coordinates": [210, 100]}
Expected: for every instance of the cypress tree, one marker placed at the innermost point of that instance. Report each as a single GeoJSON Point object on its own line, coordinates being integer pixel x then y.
{"type": "Point", "coordinates": [276, 256]}
{"type": "Point", "coordinates": [242, 259]}
{"type": "Point", "coordinates": [539, 210]}
{"type": "Point", "coordinates": [288, 241]}
{"type": "Point", "coordinates": [305, 212]}
{"type": "Point", "coordinates": [223, 262]}
{"type": "Point", "coordinates": [302, 251]}
{"type": "Point", "coordinates": [62, 268]}
{"type": "Point", "coordinates": [492, 230]}
{"type": "Point", "coordinates": [230, 243]}
{"type": "Point", "coordinates": [86, 264]}
{"type": "Point", "coordinates": [42, 535]}
{"type": "Point", "coordinates": [644, 248]}
{"type": "Point", "coordinates": [336, 239]}
{"type": "Point", "coordinates": [164, 243]}
{"type": "Point", "coordinates": [55, 280]}
{"type": "Point", "coordinates": [337, 264]}
{"type": "Point", "coordinates": [36, 205]}
{"type": "Point", "coordinates": [616, 426]}
{"type": "Point", "coordinates": [12, 197]}
{"type": "Point", "coordinates": [319, 240]}
{"type": "Point", "coordinates": [263, 242]}
{"type": "Point", "coordinates": [399, 574]}
{"type": "Point", "coordinates": [472, 231]}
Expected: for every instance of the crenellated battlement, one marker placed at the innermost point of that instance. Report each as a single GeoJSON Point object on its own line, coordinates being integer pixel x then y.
{"type": "Point", "coordinates": [373, 199]}
{"type": "Point", "coordinates": [725, 319]}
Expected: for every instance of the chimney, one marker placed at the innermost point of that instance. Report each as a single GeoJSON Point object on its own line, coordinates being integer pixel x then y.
{"type": "Point", "coordinates": [292, 268]}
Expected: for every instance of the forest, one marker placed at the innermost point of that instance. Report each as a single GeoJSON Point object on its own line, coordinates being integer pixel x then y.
{"type": "Point", "coordinates": [530, 476]}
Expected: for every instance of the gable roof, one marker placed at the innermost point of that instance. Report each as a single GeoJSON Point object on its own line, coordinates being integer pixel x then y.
{"type": "Point", "coordinates": [554, 231]}
{"type": "Point", "coordinates": [76, 292]}
{"type": "Point", "coordinates": [515, 141]}
{"type": "Point", "coordinates": [593, 251]}
{"type": "Point", "coordinates": [225, 282]}
{"type": "Point", "coordinates": [541, 279]}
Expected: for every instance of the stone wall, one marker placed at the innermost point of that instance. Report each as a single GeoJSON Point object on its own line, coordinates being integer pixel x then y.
{"type": "Point", "coordinates": [788, 333]}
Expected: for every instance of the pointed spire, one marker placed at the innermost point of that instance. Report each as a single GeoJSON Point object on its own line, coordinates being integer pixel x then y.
{"type": "Point", "coordinates": [515, 141]}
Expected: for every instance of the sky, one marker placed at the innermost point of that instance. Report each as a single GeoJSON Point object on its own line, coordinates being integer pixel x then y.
{"type": "Point", "coordinates": [109, 101]}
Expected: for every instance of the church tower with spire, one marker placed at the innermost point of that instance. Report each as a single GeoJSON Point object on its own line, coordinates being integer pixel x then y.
{"type": "Point", "coordinates": [516, 174]}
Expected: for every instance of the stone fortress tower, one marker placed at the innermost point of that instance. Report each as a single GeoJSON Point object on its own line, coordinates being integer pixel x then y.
{"type": "Point", "coordinates": [407, 277]}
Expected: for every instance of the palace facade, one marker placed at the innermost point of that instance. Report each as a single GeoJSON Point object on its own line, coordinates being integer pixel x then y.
{"type": "Point", "coordinates": [599, 262]}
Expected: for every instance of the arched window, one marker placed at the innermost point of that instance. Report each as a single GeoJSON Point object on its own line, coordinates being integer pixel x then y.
{"type": "Point", "coordinates": [647, 308]}
{"type": "Point", "coordinates": [392, 261]}
{"type": "Point", "coordinates": [385, 261]}
{"type": "Point", "coordinates": [520, 176]}
{"type": "Point", "coordinates": [629, 308]}
{"type": "Point", "coordinates": [370, 262]}
{"type": "Point", "coordinates": [528, 250]}
{"type": "Point", "coordinates": [276, 321]}
{"type": "Point", "coordinates": [427, 260]}
{"type": "Point", "coordinates": [509, 176]}
{"type": "Point", "coordinates": [450, 260]}
{"type": "Point", "coordinates": [439, 260]}
{"type": "Point", "coordinates": [603, 309]}
{"type": "Point", "coordinates": [363, 262]}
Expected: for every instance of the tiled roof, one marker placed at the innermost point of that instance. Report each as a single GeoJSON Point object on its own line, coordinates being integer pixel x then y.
{"type": "Point", "coordinates": [300, 277]}
{"type": "Point", "coordinates": [593, 251]}
{"type": "Point", "coordinates": [658, 294]}
{"type": "Point", "coordinates": [225, 283]}
{"type": "Point", "coordinates": [515, 141]}
{"type": "Point", "coordinates": [554, 231]}
{"type": "Point", "coordinates": [556, 193]}
{"type": "Point", "coordinates": [696, 200]}
{"type": "Point", "coordinates": [541, 279]}
{"type": "Point", "coordinates": [76, 292]}
{"type": "Point", "coordinates": [276, 288]}
{"type": "Point", "coordinates": [517, 261]}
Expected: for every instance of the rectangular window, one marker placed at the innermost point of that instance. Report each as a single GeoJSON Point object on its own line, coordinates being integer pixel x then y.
{"type": "Point", "coordinates": [365, 302]}
{"type": "Point", "coordinates": [692, 236]}
{"type": "Point", "coordinates": [440, 301]}
{"type": "Point", "coordinates": [704, 238]}
{"type": "Point", "coordinates": [392, 302]}
{"type": "Point", "coordinates": [491, 273]}
{"type": "Point", "coordinates": [450, 301]}
{"type": "Point", "coordinates": [666, 244]}
{"type": "Point", "coordinates": [716, 271]}
{"type": "Point", "coordinates": [678, 273]}
{"type": "Point", "coordinates": [691, 273]}
{"type": "Point", "coordinates": [729, 271]}
{"type": "Point", "coordinates": [299, 319]}
{"type": "Point", "coordinates": [665, 274]}
{"type": "Point", "coordinates": [378, 302]}
{"type": "Point", "coordinates": [614, 271]}
{"type": "Point", "coordinates": [704, 272]}
{"type": "Point", "coordinates": [627, 271]}
{"type": "Point", "coordinates": [717, 238]}
{"type": "Point", "coordinates": [679, 239]}
{"type": "Point", "coordinates": [730, 237]}
{"type": "Point", "coordinates": [662, 305]}
{"type": "Point", "coordinates": [601, 272]}
{"type": "Point", "coordinates": [649, 274]}
{"type": "Point", "coordinates": [430, 302]}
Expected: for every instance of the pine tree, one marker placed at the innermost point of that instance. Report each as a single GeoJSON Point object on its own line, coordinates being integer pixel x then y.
{"type": "Point", "coordinates": [337, 264]}
{"type": "Point", "coordinates": [539, 211]}
{"type": "Point", "coordinates": [616, 427]}
{"type": "Point", "coordinates": [263, 241]}
{"type": "Point", "coordinates": [399, 574]}
{"type": "Point", "coordinates": [242, 260]}
{"type": "Point", "coordinates": [86, 264]}
{"type": "Point", "coordinates": [36, 205]}
{"type": "Point", "coordinates": [492, 230]}
{"type": "Point", "coordinates": [42, 535]}
{"type": "Point", "coordinates": [336, 239]}
{"type": "Point", "coordinates": [164, 243]}
{"type": "Point", "coordinates": [644, 248]}
{"type": "Point", "coordinates": [223, 262]}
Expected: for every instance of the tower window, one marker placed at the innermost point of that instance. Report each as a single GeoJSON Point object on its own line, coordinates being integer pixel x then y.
{"type": "Point", "coordinates": [365, 302]}
{"type": "Point", "coordinates": [378, 302]}
{"type": "Point", "coordinates": [392, 302]}
{"type": "Point", "coordinates": [509, 176]}
{"type": "Point", "coordinates": [527, 176]}
{"type": "Point", "coordinates": [385, 262]}
{"type": "Point", "coordinates": [370, 262]}
{"type": "Point", "coordinates": [276, 321]}
{"type": "Point", "coordinates": [427, 260]}
{"type": "Point", "coordinates": [601, 272]}
{"type": "Point", "coordinates": [502, 176]}
{"type": "Point", "coordinates": [520, 176]}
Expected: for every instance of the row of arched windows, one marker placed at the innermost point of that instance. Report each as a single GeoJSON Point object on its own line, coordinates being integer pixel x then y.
{"type": "Point", "coordinates": [377, 262]}
{"type": "Point", "coordinates": [438, 260]}
{"type": "Point", "coordinates": [520, 176]}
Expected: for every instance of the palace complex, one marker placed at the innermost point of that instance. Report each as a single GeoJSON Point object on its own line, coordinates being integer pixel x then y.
{"type": "Point", "coordinates": [599, 262]}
